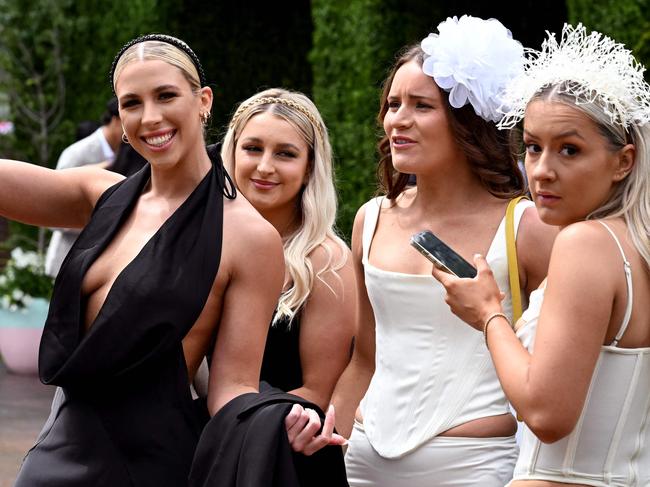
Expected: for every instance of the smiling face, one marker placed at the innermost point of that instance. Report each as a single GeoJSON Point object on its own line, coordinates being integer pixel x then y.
{"type": "Point", "coordinates": [271, 166]}
{"type": "Point", "coordinates": [572, 168]}
{"type": "Point", "coordinates": [159, 112]}
{"type": "Point", "coordinates": [417, 124]}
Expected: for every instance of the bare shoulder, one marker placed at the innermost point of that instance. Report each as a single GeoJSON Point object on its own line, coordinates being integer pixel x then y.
{"type": "Point", "coordinates": [588, 249]}
{"type": "Point", "coordinates": [583, 236]}
{"type": "Point", "coordinates": [360, 218]}
{"type": "Point", "coordinates": [248, 237]}
{"type": "Point", "coordinates": [93, 180]}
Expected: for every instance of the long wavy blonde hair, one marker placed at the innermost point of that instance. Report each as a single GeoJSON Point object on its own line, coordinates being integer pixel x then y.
{"type": "Point", "coordinates": [317, 207]}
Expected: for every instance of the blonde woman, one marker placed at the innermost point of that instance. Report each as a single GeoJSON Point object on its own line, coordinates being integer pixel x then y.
{"type": "Point", "coordinates": [148, 285]}
{"type": "Point", "coordinates": [278, 152]}
{"type": "Point", "coordinates": [578, 367]}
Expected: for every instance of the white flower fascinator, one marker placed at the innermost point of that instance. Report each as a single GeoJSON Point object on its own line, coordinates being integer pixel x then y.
{"type": "Point", "coordinates": [473, 59]}
{"type": "Point", "coordinates": [589, 68]}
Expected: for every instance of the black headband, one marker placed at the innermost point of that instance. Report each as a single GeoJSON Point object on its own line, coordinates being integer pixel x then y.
{"type": "Point", "coordinates": [161, 38]}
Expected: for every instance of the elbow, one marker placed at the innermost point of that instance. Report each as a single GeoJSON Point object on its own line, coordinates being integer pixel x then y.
{"type": "Point", "coordinates": [550, 426]}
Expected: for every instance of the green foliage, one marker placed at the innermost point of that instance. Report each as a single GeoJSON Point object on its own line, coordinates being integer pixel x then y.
{"type": "Point", "coordinates": [627, 21]}
{"type": "Point", "coordinates": [31, 62]}
{"type": "Point", "coordinates": [346, 89]}
{"type": "Point", "coordinates": [247, 46]}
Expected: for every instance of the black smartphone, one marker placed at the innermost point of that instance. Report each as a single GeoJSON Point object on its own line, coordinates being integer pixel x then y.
{"type": "Point", "coordinates": [441, 255]}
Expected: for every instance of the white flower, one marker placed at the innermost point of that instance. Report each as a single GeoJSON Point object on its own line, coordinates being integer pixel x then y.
{"type": "Point", "coordinates": [3, 280]}
{"type": "Point", "coordinates": [17, 295]}
{"type": "Point", "coordinates": [20, 258]}
{"type": "Point", "coordinates": [473, 59]}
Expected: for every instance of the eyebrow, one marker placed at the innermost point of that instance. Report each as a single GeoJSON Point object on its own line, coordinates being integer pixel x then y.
{"type": "Point", "coordinates": [158, 89]}
{"type": "Point", "coordinates": [415, 96]}
{"type": "Point", "coordinates": [566, 133]}
{"type": "Point", "coordinates": [257, 140]}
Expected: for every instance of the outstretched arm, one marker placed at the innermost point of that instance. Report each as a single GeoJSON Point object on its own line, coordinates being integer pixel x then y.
{"type": "Point", "coordinates": [39, 196]}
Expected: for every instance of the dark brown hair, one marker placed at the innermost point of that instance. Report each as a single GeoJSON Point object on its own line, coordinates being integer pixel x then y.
{"type": "Point", "coordinates": [487, 149]}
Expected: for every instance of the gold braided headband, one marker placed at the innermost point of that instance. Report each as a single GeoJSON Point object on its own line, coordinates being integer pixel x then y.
{"type": "Point", "coordinates": [270, 100]}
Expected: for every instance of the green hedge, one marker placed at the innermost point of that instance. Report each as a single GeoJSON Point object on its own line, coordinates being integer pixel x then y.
{"type": "Point", "coordinates": [627, 21]}
{"type": "Point", "coordinates": [246, 46]}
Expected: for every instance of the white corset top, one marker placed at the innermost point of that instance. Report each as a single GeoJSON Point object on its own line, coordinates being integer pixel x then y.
{"type": "Point", "coordinates": [432, 371]}
{"type": "Point", "coordinates": [610, 445]}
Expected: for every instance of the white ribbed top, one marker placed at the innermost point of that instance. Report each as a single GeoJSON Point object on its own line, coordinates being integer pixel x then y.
{"type": "Point", "coordinates": [610, 445]}
{"type": "Point", "coordinates": [432, 371]}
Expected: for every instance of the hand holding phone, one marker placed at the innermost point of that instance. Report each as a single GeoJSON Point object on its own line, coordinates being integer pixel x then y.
{"type": "Point", "coordinates": [441, 255]}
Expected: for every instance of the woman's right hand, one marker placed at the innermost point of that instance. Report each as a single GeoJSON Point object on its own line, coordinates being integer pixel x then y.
{"type": "Point", "coordinates": [472, 300]}
{"type": "Point", "coordinates": [303, 425]}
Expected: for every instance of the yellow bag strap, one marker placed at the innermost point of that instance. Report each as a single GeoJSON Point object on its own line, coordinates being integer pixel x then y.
{"type": "Point", "coordinates": [511, 251]}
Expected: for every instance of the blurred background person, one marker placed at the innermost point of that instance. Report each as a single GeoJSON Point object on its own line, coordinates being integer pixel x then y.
{"type": "Point", "coordinates": [86, 128]}
{"type": "Point", "coordinates": [127, 161]}
{"type": "Point", "coordinates": [99, 146]}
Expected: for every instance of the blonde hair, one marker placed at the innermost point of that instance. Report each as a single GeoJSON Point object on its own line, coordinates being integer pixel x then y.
{"type": "Point", "coordinates": [159, 51]}
{"type": "Point", "coordinates": [317, 201]}
{"type": "Point", "coordinates": [630, 199]}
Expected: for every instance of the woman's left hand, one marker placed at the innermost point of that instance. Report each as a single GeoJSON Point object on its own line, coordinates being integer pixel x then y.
{"type": "Point", "coordinates": [303, 427]}
{"type": "Point", "coordinates": [472, 300]}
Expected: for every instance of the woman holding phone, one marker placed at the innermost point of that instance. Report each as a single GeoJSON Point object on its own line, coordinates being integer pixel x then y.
{"type": "Point", "coordinates": [577, 368]}
{"type": "Point", "coordinates": [434, 412]}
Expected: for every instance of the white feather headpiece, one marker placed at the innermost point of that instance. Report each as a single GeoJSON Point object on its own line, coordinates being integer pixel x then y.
{"type": "Point", "coordinates": [591, 68]}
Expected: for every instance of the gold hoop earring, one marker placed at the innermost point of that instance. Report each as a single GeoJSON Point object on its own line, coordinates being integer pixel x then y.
{"type": "Point", "coordinates": [125, 139]}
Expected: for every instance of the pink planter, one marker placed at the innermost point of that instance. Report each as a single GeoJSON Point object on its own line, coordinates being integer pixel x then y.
{"type": "Point", "coordinates": [19, 349]}
{"type": "Point", "coordinates": [20, 337]}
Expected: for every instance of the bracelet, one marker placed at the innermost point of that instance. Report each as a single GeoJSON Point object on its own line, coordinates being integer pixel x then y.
{"type": "Point", "coordinates": [487, 322]}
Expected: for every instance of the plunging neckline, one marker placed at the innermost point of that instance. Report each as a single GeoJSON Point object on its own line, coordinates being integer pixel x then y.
{"type": "Point", "coordinates": [83, 300]}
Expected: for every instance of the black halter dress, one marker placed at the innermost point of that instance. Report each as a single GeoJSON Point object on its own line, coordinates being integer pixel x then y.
{"type": "Point", "coordinates": [127, 419]}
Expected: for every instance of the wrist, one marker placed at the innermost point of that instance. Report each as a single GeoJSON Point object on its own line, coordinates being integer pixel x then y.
{"type": "Point", "coordinates": [492, 318]}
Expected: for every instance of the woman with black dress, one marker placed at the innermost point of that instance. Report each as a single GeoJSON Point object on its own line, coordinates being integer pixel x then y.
{"type": "Point", "coordinates": [278, 152]}
{"type": "Point", "coordinates": [149, 286]}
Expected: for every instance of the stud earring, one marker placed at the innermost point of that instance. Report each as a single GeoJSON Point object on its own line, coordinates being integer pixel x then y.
{"type": "Point", "coordinates": [205, 116]}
